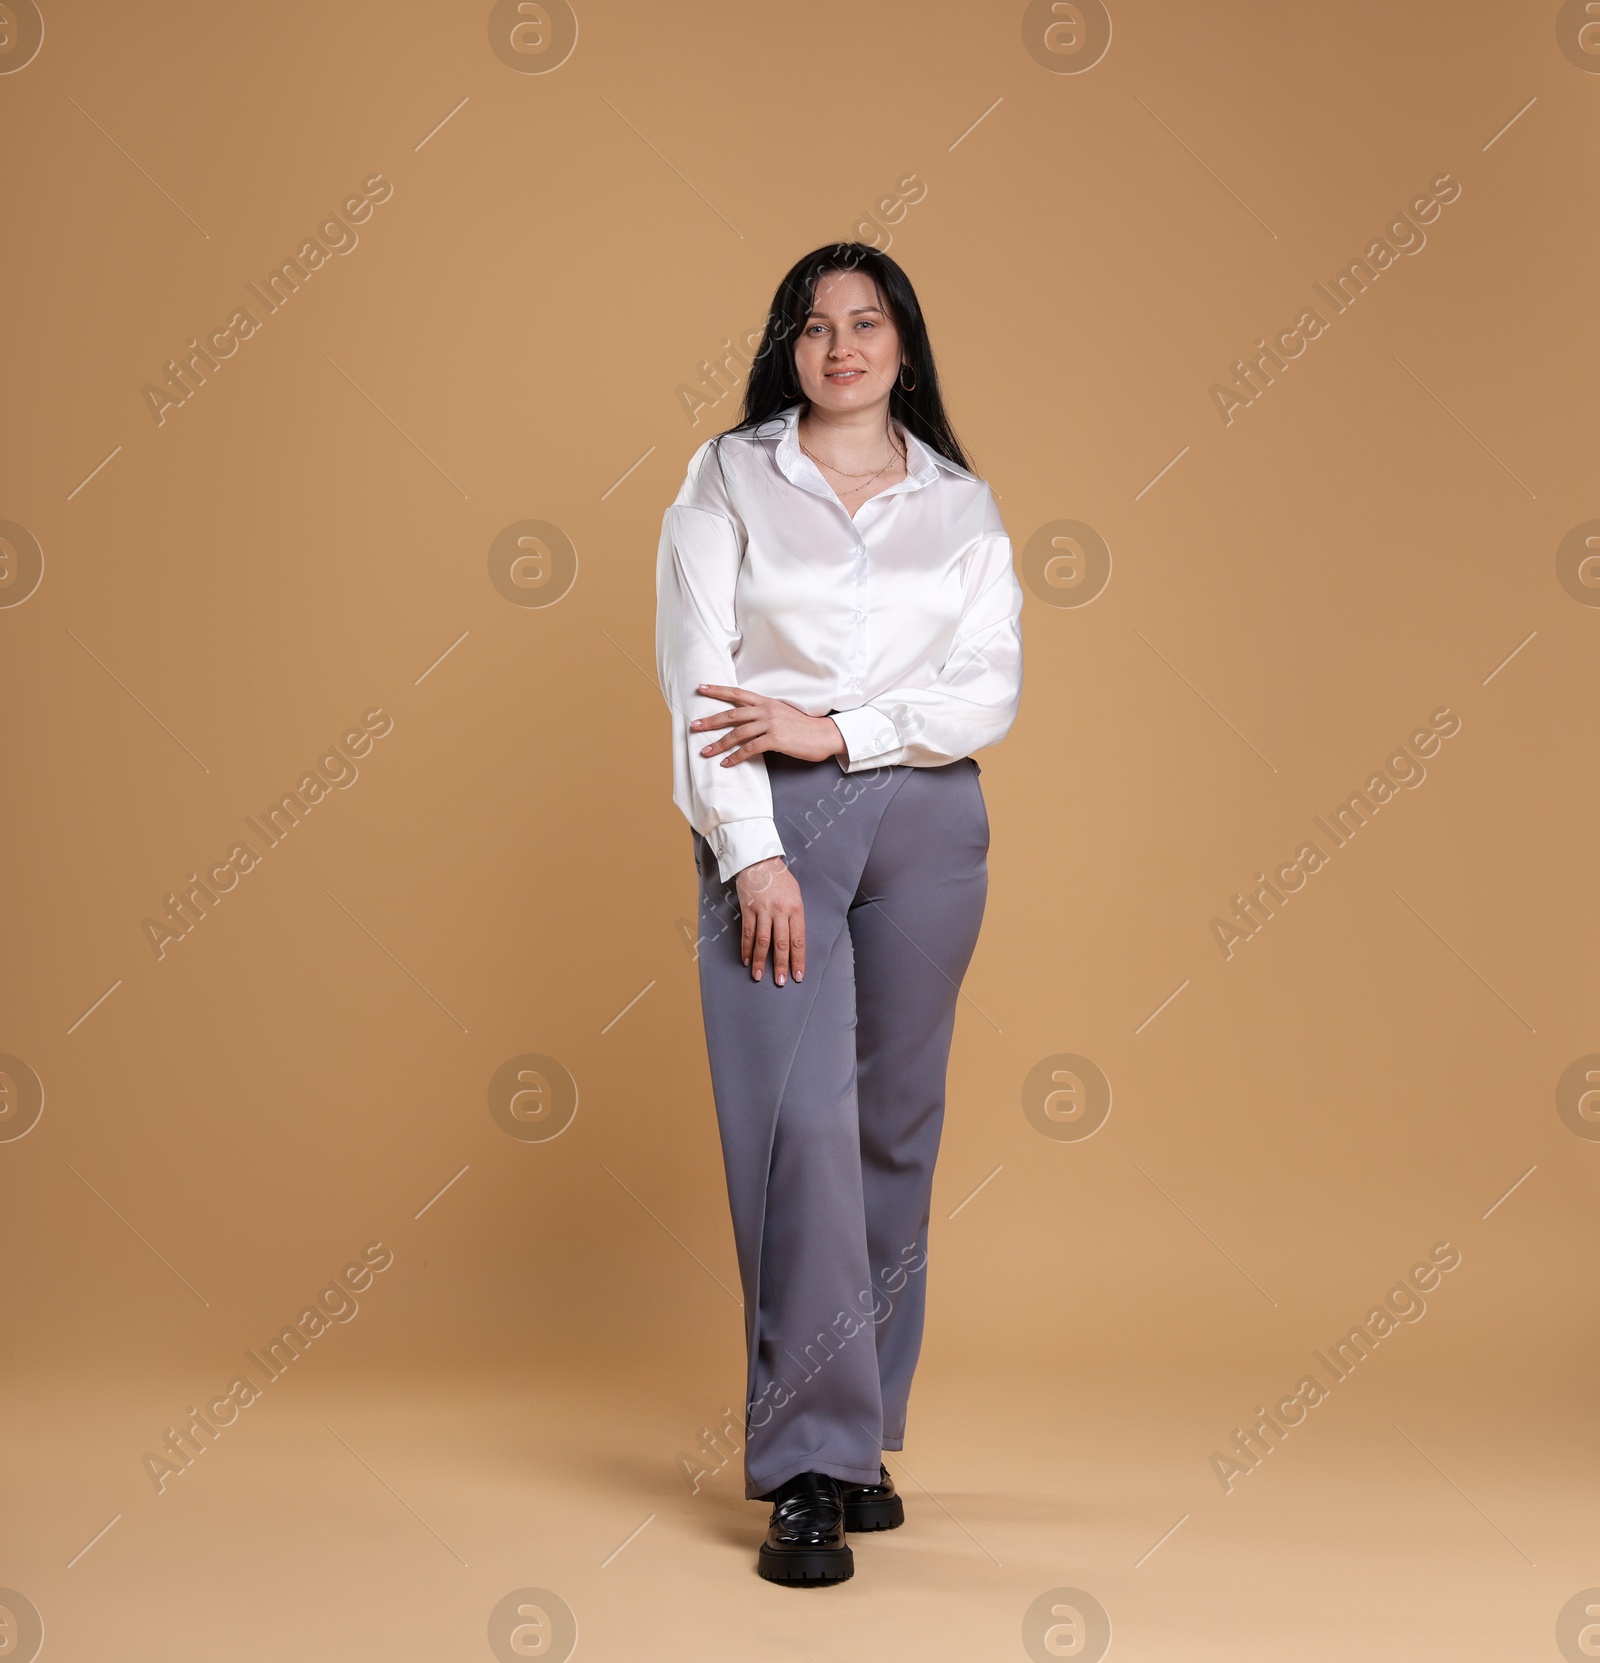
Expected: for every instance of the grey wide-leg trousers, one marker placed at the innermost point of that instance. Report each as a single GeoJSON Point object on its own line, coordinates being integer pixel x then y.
{"type": "Point", "coordinates": [830, 1100]}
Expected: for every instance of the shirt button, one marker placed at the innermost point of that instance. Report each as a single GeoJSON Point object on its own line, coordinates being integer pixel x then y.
{"type": "Point", "coordinates": [860, 616]}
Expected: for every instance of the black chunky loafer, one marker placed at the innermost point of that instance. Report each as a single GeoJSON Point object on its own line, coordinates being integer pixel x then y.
{"type": "Point", "coordinates": [805, 1539]}
{"type": "Point", "coordinates": [873, 1506]}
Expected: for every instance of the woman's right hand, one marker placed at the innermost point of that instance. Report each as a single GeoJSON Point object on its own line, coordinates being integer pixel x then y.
{"type": "Point", "coordinates": [772, 914]}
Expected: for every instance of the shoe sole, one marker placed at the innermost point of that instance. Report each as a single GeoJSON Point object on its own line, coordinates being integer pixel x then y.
{"type": "Point", "coordinates": [815, 1566]}
{"type": "Point", "coordinates": [887, 1513]}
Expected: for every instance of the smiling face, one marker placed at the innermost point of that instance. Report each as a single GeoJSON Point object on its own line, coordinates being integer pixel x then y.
{"type": "Point", "coordinates": [848, 352]}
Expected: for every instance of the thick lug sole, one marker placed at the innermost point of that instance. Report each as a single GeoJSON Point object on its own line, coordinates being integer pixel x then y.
{"type": "Point", "coordinates": [880, 1513]}
{"type": "Point", "coordinates": [803, 1566]}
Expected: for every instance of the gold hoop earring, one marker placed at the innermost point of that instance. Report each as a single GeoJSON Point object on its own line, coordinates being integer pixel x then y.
{"type": "Point", "coordinates": [901, 384]}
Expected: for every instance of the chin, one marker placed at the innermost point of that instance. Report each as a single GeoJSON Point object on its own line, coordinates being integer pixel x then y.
{"type": "Point", "coordinates": [864, 391]}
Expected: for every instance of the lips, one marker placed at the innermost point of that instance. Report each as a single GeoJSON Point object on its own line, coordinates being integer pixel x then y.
{"type": "Point", "coordinates": [845, 375]}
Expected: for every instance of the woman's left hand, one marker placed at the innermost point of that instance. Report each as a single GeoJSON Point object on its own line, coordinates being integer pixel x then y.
{"type": "Point", "coordinates": [761, 724]}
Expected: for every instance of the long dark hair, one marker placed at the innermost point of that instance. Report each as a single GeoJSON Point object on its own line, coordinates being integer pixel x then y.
{"type": "Point", "coordinates": [774, 385]}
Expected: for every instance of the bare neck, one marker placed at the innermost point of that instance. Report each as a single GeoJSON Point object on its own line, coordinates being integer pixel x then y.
{"type": "Point", "coordinates": [852, 441]}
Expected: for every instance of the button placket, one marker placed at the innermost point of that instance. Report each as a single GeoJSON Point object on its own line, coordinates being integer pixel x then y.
{"type": "Point", "coordinates": [858, 656]}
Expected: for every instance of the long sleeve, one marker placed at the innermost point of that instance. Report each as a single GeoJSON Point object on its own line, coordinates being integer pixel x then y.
{"type": "Point", "coordinates": [697, 570]}
{"type": "Point", "coordinates": [972, 699]}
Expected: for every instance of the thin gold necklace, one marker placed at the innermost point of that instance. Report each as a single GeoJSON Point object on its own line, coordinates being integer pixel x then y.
{"type": "Point", "coordinates": [866, 479]}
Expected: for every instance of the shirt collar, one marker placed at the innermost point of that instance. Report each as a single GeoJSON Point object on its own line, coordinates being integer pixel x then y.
{"type": "Point", "coordinates": [923, 462]}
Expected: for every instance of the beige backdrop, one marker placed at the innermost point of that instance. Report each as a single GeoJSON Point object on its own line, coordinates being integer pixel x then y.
{"type": "Point", "coordinates": [397, 530]}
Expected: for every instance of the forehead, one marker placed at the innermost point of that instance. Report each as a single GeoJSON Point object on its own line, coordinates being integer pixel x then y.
{"type": "Point", "coordinates": [844, 291]}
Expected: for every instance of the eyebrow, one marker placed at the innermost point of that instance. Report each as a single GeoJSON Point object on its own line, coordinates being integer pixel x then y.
{"type": "Point", "coordinates": [851, 313]}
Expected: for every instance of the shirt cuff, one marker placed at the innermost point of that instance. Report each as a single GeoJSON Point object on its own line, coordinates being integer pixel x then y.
{"type": "Point", "coordinates": [741, 843]}
{"type": "Point", "coordinates": [868, 733]}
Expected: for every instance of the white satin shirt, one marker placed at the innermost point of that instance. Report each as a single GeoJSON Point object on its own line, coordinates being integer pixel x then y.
{"type": "Point", "coordinates": [902, 622]}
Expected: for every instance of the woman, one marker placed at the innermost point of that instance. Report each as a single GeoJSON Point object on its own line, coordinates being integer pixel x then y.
{"type": "Point", "coordinates": [837, 631]}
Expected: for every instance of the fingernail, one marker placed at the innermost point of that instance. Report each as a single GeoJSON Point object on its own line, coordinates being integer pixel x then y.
{"type": "Point", "coordinates": [799, 975]}
{"type": "Point", "coordinates": [780, 978]}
